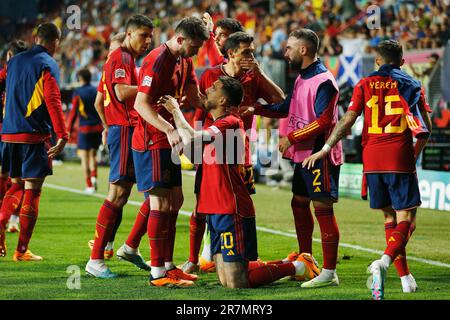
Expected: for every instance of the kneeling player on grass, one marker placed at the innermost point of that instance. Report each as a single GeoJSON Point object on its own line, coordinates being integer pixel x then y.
{"type": "Point", "coordinates": [223, 196]}
{"type": "Point", "coordinates": [394, 111]}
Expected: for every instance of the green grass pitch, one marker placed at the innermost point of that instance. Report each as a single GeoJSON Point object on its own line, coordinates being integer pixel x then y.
{"type": "Point", "coordinates": [67, 220]}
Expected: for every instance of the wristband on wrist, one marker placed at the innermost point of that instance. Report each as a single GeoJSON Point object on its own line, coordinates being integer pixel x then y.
{"type": "Point", "coordinates": [326, 148]}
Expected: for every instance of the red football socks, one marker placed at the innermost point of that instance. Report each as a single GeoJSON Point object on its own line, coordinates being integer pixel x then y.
{"type": "Point", "coordinates": [330, 236]}
{"type": "Point", "coordinates": [171, 236]}
{"type": "Point", "coordinates": [400, 262]}
{"type": "Point", "coordinates": [88, 182]}
{"type": "Point", "coordinates": [105, 223]}
{"type": "Point", "coordinates": [269, 273]}
{"type": "Point", "coordinates": [197, 225]}
{"type": "Point", "coordinates": [140, 225]}
{"type": "Point", "coordinates": [157, 229]}
{"type": "Point", "coordinates": [28, 216]}
{"type": "Point", "coordinates": [3, 188]}
{"type": "Point", "coordinates": [398, 239]}
{"type": "Point", "coordinates": [11, 202]}
{"type": "Point", "coordinates": [304, 225]}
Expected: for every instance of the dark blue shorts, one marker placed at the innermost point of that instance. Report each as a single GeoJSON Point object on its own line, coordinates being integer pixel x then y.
{"type": "Point", "coordinates": [88, 141]}
{"type": "Point", "coordinates": [233, 236]}
{"type": "Point", "coordinates": [321, 181]}
{"type": "Point", "coordinates": [120, 154]}
{"type": "Point", "coordinates": [26, 161]}
{"type": "Point", "coordinates": [155, 169]}
{"type": "Point", "coordinates": [399, 190]}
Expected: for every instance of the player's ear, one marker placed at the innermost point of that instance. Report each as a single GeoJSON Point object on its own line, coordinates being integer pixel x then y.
{"type": "Point", "coordinates": [180, 40]}
{"type": "Point", "coordinates": [402, 62]}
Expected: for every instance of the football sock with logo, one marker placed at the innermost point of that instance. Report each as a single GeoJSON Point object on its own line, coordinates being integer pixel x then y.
{"type": "Point", "coordinates": [330, 236]}
{"type": "Point", "coordinates": [11, 202]}
{"type": "Point", "coordinates": [398, 239]}
{"type": "Point", "coordinates": [157, 230]}
{"type": "Point", "coordinates": [28, 216]}
{"type": "Point", "coordinates": [104, 227]}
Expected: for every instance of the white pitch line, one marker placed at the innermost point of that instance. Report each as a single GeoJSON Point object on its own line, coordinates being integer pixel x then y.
{"type": "Point", "coordinates": [263, 229]}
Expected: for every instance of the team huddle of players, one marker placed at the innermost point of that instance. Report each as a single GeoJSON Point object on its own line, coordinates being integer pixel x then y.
{"type": "Point", "coordinates": [140, 117]}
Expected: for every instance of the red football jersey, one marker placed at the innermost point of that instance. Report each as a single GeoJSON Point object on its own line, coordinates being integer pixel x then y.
{"type": "Point", "coordinates": [161, 74]}
{"type": "Point", "coordinates": [390, 121]}
{"type": "Point", "coordinates": [119, 69]}
{"type": "Point", "coordinates": [252, 92]}
{"type": "Point", "coordinates": [222, 188]}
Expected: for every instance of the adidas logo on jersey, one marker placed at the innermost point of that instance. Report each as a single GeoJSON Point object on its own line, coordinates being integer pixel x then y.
{"type": "Point", "coordinates": [317, 189]}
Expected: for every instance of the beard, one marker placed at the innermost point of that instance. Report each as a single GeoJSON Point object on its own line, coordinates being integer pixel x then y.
{"type": "Point", "coordinates": [296, 65]}
{"type": "Point", "coordinates": [209, 105]}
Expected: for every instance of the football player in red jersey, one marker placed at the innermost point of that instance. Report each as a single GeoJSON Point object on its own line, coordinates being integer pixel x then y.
{"type": "Point", "coordinates": [167, 69]}
{"type": "Point", "coordinates": [120, 89]}
{"type": "Point", "coordinates": [116, 42]}
{"type": "Point", "coordinates": [223, 195]}
{"type": "Point", "coordinates": [242, 66]}
{"type": "Point", "coordinates": [395, 111]}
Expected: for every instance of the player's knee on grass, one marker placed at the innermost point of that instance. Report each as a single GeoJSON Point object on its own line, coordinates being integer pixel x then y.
{"type": "Point", "coordinates": [236, 274]}
{"type": "Point", "coordinates": [218, 260]}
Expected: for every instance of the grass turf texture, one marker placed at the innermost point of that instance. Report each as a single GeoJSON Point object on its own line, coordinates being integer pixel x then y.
{"type": "Point", "coordinates": [67, 221]}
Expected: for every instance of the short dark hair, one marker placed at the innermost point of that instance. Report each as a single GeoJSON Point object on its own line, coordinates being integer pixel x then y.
{"type": "Point", "coordinates": [192, 28]}
{"type": "Point", "coordinates": [234, 40]}
{"type": "Point", "coordinates": [309, 36]}
{"type": "Point", "coordinates": [48, 32]}
{"type": "Point", "coordinates": [231, 24]}
{"type": "Point", "coordinates": [137, 21]}
{"type": "Point", "coordinates": [119, 37]}
{"type": "Point", "coordinates": [85, 74]}
{"type": "Point", "coordinates": [391, 51]}
{"type": "Point", "coordinates": [17, 46]}
{"type": "Point", "coordinates": [233, 89]}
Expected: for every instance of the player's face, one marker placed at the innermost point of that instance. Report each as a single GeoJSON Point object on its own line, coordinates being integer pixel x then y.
{"type": "Point", "coordinates": [214, 96]}
{"type": "Point", "coordinates": [293, 53]}
{"type": "Point", "coordinates": [140, 39]}
{"type": "Point", "coordinates": [221, 36]}
{"type": "Point", "coordinates": [245, 51]}
{"type": "Point", "coordinates": [190, 47]}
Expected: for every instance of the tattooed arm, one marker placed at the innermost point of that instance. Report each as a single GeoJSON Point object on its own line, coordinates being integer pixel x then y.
{"type": "Point", "coordinates": [339, 132]}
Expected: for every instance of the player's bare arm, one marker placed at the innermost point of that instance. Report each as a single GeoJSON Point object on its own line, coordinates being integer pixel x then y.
{"type": "Point", "coordinates": [125, 92]}
{"type": "Point", "coordinates": [143, 107]}
{"type": "Point", "coordinates": [339, 132]}
{"type": "Point", "coordinates": [187, 133]}
{"type": "Point", "coordinates": [100, 108]}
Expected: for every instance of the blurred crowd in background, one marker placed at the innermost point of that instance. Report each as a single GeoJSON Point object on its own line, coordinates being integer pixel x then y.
{"type": "Point", "coordinates": [339, 23]}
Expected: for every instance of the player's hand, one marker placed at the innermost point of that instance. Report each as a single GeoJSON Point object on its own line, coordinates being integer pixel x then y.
{"type": "Point", "coordinates": [245, 111]}
{"type": "Point", "coordinates": [284, 144]}
{"type": "Point", "coordinates": [169, 102]}
{"type": "Point", "coordinates": [208, 21]}
{"type": "Point", "coordinates": [104, 136]}
{"type": "Point", "coordinates": [309, 162]}
{"type": "Point", "coordinates": [251, 64]}
{"type": "Point", "coordinates": [173, 137]}
{"type": "Point", "coordinates": [57, 149]}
